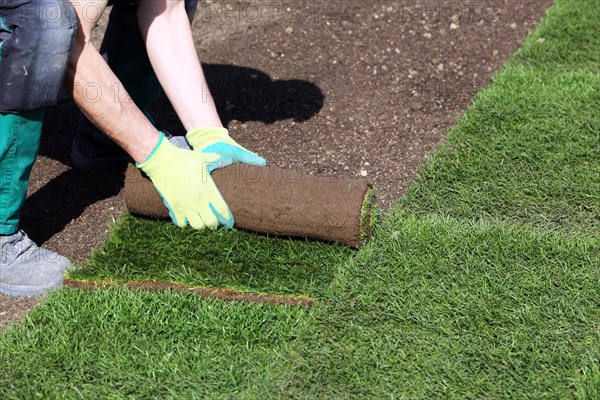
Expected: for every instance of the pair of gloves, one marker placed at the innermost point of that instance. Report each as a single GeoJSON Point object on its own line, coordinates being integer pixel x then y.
{"type": "Point", "coordinates": [182, 177]}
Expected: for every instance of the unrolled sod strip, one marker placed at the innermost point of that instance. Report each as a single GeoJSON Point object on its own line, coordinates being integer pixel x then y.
{"type": "Point", "coordinates": [278, 202]}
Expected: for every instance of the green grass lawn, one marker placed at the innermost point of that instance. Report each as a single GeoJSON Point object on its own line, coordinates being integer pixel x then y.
{"type": "Point", "coordinates": [117, 344]}
{"type": "Point", "coordinates": [140, 249]}
{"type": "Point", "coordinates": [483, 282]}
{"type": "Point", "coordinates": [527, 153]}
{"type": "Point", "coordinates": [437, 307]}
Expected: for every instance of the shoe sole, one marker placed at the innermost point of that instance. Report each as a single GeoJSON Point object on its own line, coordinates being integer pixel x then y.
{"type": "Point", "coordinates": [30, 291]}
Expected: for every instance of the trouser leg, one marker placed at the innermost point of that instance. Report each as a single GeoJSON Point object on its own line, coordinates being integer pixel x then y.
{"type": "Point", "coordinates": [19, 144]}
{"type": "Point", "coordinates": [25, 268]}
{"type": "Point", "coordinates": [35, 44]}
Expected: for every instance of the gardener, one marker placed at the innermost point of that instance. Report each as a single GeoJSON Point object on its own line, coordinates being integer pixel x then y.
{"type": "Point", "coordinates": [45, 45]}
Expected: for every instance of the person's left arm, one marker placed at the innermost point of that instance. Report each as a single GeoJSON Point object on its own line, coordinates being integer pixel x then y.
{"type": "Point", "coordinates": [166, 30]}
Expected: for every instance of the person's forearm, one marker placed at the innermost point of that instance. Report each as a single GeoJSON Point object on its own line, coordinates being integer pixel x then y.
{"type": "Point", "coordinates": [165, 27]}
{"type": "Point", "coordinates": [100, 95]}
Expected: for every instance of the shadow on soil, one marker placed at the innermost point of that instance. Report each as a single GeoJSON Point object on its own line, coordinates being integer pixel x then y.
{"type": "Point", "coordinates": [241, 93]}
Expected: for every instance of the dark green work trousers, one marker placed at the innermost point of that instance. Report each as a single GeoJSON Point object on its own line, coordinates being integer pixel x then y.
{"type": "Point", "coordinates": [35, 43]}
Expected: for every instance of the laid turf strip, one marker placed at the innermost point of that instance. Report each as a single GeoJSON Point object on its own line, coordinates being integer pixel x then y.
{"type": "Point", "coordinates": [141, 249]}
{"type": "Point", "coordinates": [439, 308]}
{"type": "Point", "coordinates": [566, 40]}
{"type": "Point", "coordinates": [118, 343]}
{"type": "Point", "coordinates": [483, 283]}
{"type": "Point", "coordinates": [527, 152]}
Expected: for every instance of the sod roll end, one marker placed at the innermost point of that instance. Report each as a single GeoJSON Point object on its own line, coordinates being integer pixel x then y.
{"type": "Point", "coordinates": [279, 202]}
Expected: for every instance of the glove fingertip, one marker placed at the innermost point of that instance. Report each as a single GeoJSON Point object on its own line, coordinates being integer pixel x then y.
{"type": "Point", "coordinates": [177, 223]}
{"type": "Point", "coordinates": [172, 213]}
{"type": "Point", "coordinates": [253, 159]}
{"type": "Point", "coordinates": [222, 162]}
{"type": "Point", "coordinates": [226, 222]}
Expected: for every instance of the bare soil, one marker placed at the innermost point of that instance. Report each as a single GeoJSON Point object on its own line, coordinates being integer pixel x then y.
{"type": "Point", "coordinates": [348, 89]}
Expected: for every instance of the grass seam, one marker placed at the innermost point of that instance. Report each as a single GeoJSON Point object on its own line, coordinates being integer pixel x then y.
{"type": "Point", "coordinates": [201, 291]}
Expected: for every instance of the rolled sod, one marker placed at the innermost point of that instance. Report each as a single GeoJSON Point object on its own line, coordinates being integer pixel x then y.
{"type": "Point", "coordinates": [279, 202]}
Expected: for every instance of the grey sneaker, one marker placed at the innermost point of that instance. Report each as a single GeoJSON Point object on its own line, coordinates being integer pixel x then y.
{"type": "Point", "coordinates": [26, 269]}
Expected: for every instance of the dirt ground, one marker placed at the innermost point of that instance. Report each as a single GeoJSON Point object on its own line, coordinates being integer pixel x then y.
{"type": "Point", "coordinates": [348, 88]}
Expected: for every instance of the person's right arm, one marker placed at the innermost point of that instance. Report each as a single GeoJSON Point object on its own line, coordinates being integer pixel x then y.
{"type": "Point", "coordinates": [182, 177]}
{"type": "Point", "coordinates": [99, 94]}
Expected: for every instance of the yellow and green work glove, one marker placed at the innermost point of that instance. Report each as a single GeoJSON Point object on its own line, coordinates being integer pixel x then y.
{"type": "Point", "coordinates": [182, 178]}
{"type": "Point", "coordinates": [218, 141]}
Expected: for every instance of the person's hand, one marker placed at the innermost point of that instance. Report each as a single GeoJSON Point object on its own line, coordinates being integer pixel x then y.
{"type": "Point", "coordinates": [182, 178]}
{"type": "Point", "coordinates": [218, 141]}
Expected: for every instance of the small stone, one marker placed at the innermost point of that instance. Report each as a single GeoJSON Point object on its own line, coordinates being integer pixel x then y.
{"type": "Point", "coordinates": [440, 67]}
{"type": "Point", "coordinates": [363, 172]}
{"type": "Point", "coordinates": [329, 153]}
{"type": "Point", "coordinates": [358, 43]}
{"type": "Point", "coordinates": [454, 26]}
{"type": "Point", "coordinates": [416, 106]}
{"type": "Point", "coordinates": [541, 40]}
{"type": "Point", "coordinates": [413, 72]}
{"type": "Point", "coordinates": [513, 25]}
{"type": "Point", "coordinates": [427, 35]}
{"type": "Point", "coordinates": [289, 30]}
